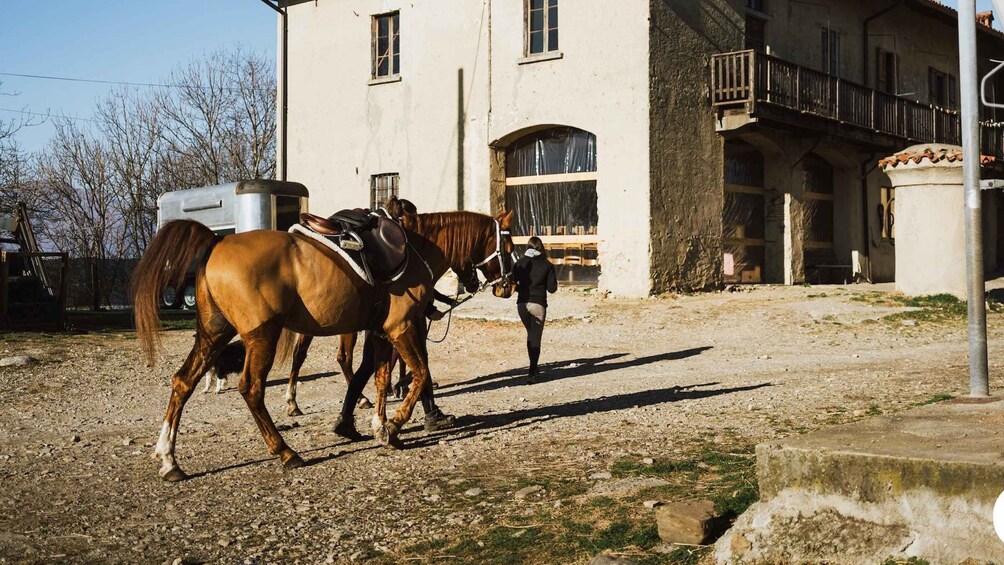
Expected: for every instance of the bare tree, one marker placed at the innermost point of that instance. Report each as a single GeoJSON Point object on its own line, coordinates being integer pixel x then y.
{"type": "Point", "coordinates": [14, 167]}
{"type": "Point", "coordinates": [219, 124]}
{"type": "Point", "coordinates": [131, 127]}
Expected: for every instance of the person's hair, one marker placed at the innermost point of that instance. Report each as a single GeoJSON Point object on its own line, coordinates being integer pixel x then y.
{"type": "Point", "coordinates": [535, 243]}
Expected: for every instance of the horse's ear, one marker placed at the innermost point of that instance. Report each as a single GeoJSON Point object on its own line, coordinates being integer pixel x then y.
{"type": "Point", "coordinates": [505, 218]}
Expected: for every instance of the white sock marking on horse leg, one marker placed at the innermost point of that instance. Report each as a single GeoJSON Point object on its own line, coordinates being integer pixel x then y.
{"type": "Point", "coordinates": [167, 457]}
{"type": "Point", "coordinates": [291, 393]}
{"type": "Point", "coordinates": [377, 423]}
{"type": "Point", "coordinates": [163, 440]}
{"type": "Point", "coordinates": [220, 383]}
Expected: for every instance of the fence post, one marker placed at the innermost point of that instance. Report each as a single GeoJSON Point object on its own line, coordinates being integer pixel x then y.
{"type": "Point", "coordinates": [64, 272]}
{"type": "Point", "coordinates": [4, 280]}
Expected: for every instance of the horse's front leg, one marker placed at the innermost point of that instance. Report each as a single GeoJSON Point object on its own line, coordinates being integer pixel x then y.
{"type": "Point", "coordinates": [299, 356]}
{"type": "Point", "coordinates": [381, 357]}
{"type": "Point", "coordinates": [409, 347]}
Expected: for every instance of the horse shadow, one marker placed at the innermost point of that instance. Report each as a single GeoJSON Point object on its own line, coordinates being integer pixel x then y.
{"type": "Point", "coordinates": [571, 368]}
{"type": "Point", "coordinates": [303, 379]}
{"type": "Point", "coordinates": [470, 426]}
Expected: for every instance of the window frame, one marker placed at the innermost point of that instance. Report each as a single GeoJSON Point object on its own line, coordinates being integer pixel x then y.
{"type": "Point", "coordinates": [394, 188]}
{"type": "Point", "coordinates": [945, 96]}
{"type": "Point", "coordinates": [830, 47]}
{"type": "Point", "coordinates": [393, 55]}
{"type": "Point", "coordinates": [548, 51]}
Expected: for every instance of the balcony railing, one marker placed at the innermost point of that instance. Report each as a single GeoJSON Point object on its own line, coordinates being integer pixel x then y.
{"type": "Point", "coordinates": [750, 78]}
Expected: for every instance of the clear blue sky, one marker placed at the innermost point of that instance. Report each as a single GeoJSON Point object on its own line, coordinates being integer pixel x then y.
{"type": "Point", "coordinates": [119, 40]}
{"type": "Point", "coordinates": [125, 40]}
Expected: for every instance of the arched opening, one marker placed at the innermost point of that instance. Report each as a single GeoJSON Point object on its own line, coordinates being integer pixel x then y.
{"type": "Point", "coordinates": [817, 216]}
{"type": "Point", "coordinates": [550, 184]}
{"type": "Point", "coordinates": [743, 217]}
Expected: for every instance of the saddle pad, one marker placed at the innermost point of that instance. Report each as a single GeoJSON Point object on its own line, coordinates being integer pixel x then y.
{"type": "Point", "coordinates": [359, 270]}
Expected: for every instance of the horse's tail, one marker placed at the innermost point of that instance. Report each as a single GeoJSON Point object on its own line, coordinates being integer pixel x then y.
{"type": "Point", "coordinates": [174, 249]}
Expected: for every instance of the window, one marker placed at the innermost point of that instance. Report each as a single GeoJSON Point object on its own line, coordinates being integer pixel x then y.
{"type": "Point", "coordinates": [831, 51]}
{"type": "Point", "coordinates": [886, 71]}
{"type": "Point", "coordinates": [944, 90]}
{"type": "Point", "coordinates": [382, 187]}
{"type": "Point", "coordinates": [541, 26]}
{"type": "Point", "coordinates": [758, 5]}
{"type": "Point", "coordinates": [387, 45]}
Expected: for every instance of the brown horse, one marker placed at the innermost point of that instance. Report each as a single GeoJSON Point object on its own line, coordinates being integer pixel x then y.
{"type": "Point", "coordinates": [265, 285]}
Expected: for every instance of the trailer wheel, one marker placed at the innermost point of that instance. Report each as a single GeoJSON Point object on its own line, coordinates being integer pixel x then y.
{"type": "Point", "coordinates": [188, 297]}
{"type": "Point", "coordinates": [169, 297]}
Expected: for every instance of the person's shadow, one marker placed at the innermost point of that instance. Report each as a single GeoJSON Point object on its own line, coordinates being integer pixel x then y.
{"type": "Point", "coordinates": [469, 426]}
{"type": "Point", "coordinates": [550, 372]}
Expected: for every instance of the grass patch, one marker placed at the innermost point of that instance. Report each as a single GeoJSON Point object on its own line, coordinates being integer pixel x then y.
{"type": "Point", "coordinates": [935, 308]}
{"type": "Point", "coordinates": [583, 526]}
{"type": "Point", "coordinates": [936, 398]}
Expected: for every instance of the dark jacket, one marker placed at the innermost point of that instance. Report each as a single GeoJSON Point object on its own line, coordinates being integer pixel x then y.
{"type": "Point", "coordinates": [535, 277]}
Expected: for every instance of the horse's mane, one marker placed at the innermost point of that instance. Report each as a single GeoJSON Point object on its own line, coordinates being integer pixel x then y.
{"type": "Point", "coordinates": [468, 231]}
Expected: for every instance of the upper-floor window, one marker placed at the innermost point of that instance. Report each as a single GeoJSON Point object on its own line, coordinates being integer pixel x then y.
{"type": "Point", "coordinates": [382, 188]}
{"type": "Point", "coordinates": [758, 5]}
{"type": "Point", "coordinates": [943, 89]}
{"type": "Point", "coordinates": [541, 26]}
{"type": "Point", "coordinates": [886, 71]}
{"type": "Point", "coordinates": [831, 51]}
{"type": "Point", "coordinates": [756, 33]}
{"type": "Point", "coordinates": [387, 45]}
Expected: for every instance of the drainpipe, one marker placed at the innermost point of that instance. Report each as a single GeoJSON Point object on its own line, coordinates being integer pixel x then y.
{"type": "Point", "coordinates": [285, 85]}
{"type": "Point", "coordinates": [865, 214]}
{"type": "Point", "coordinates": [864, 37]}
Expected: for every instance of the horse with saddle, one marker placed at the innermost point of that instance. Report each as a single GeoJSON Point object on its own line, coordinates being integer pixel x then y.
{"type": "Point", "coordinates": [352, 272]}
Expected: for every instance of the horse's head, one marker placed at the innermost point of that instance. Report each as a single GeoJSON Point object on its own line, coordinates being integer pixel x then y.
{"type": "Point", "coordinates": [499, 257]}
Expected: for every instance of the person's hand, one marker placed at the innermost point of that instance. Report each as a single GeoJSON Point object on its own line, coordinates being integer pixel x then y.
{"type": "Point", "coordinates": [435, 314]}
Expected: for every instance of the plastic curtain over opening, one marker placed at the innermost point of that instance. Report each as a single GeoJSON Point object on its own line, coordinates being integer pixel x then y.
{"type": "Point", "coordinates": [743, 216]}
{"type": "Point", "coordinates": [557, 208]}
{"type": "Point", "coordinates": [552, 152]}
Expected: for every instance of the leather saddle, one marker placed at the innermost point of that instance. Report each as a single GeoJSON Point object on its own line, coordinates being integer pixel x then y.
{"type": "Point", "coordinates": [384, 242]}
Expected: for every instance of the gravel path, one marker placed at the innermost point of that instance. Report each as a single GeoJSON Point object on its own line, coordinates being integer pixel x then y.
{"type": "Point", "coordinates": [623, 378]}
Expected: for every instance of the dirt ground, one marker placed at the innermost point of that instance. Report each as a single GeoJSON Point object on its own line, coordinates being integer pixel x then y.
{"type": "Point", "coordinates": [641, 400]}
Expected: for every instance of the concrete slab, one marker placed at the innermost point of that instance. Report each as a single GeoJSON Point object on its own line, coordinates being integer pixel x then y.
{"type": "Point", "coordinates": [920, 483]}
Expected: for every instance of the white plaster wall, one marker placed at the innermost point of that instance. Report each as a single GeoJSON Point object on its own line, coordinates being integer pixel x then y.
{"type": "Point", "coordinates": [342, 130]}
{"type": "Point", "coordinates": [599, 85]}
{"type": "Point", "coordinates": [930, 229]}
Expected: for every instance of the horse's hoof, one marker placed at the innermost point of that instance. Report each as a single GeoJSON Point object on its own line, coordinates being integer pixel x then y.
{"type": "Point", "coordinates": [294, 411]}
{"type": "Point", "coordinates": [347, 429]}
{"type": "Point", "coordinates": [364, 403]}
{"type": "Point", "coordinates": [174, 475]}
{"type": "Point", "coordinates": [294, 462]}
{"type": "Point", "coordinates": [388, 436]}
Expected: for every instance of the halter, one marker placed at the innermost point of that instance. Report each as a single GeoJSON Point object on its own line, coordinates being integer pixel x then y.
{"type": "Point", "coordinates": [504, 275]}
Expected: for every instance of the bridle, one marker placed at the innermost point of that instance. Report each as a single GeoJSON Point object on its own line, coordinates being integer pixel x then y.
{"type": "Point", "coordinates": [505, 274]}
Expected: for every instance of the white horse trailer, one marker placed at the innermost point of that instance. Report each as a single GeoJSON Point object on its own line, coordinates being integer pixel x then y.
{"type": "Point", "coordinates": [231, 208]}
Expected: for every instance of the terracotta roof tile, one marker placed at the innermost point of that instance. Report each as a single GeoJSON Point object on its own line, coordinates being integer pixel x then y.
{"type": "Point", "coordinates": [933, 153]}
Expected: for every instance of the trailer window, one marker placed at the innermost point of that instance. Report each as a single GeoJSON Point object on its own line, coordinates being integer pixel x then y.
{"type": "Point", "coordinates": [287, 212]}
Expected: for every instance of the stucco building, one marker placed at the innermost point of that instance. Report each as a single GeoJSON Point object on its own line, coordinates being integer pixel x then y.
{"type": "Point", "coordinates": [654, 144]}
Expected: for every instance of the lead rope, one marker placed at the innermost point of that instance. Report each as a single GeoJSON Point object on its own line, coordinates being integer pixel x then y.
{"type": "Point", "coordinates": [449, 317]}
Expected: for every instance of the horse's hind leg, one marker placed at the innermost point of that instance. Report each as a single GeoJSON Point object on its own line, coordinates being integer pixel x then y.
{"type": "Point", "coordinates": [261, 343]}
{"type": "Point", "coordinates": [210, 339]}
{"type": "Point", "coordinates": [346, 345]}
{"type": "Point", "coordinates": [299, 356]}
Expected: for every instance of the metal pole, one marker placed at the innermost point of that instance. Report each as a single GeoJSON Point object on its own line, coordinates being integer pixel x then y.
{"type": "Point", "coordinates": [978, 379]}
{"type": "Point", "coordinates": [284, 81]}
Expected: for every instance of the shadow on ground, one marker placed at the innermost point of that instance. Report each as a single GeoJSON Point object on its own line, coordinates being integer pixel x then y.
{"type": "Point", "coordinates": [550, 372]}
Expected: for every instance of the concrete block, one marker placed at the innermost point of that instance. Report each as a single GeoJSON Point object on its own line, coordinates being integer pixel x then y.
{"type": "Point", "coordinates": [920, 483]}
{"type": "Point", "coordinates": [687, 522]}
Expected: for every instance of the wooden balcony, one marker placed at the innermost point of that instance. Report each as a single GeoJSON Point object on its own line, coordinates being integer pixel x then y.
{"type": "Point", "coordinates": [771, 89]}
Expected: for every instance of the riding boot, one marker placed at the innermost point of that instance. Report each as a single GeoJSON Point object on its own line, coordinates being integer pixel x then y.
{"type": "Point", "coordinates": [346, 427]}
{"type": "Point", "coordinates": [534, 354]}
{"type": "Point", "coordinates": [435, 419]}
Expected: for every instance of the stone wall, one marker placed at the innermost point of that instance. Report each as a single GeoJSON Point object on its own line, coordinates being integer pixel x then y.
{"type": "Point", "coordinates": [686, 154]}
